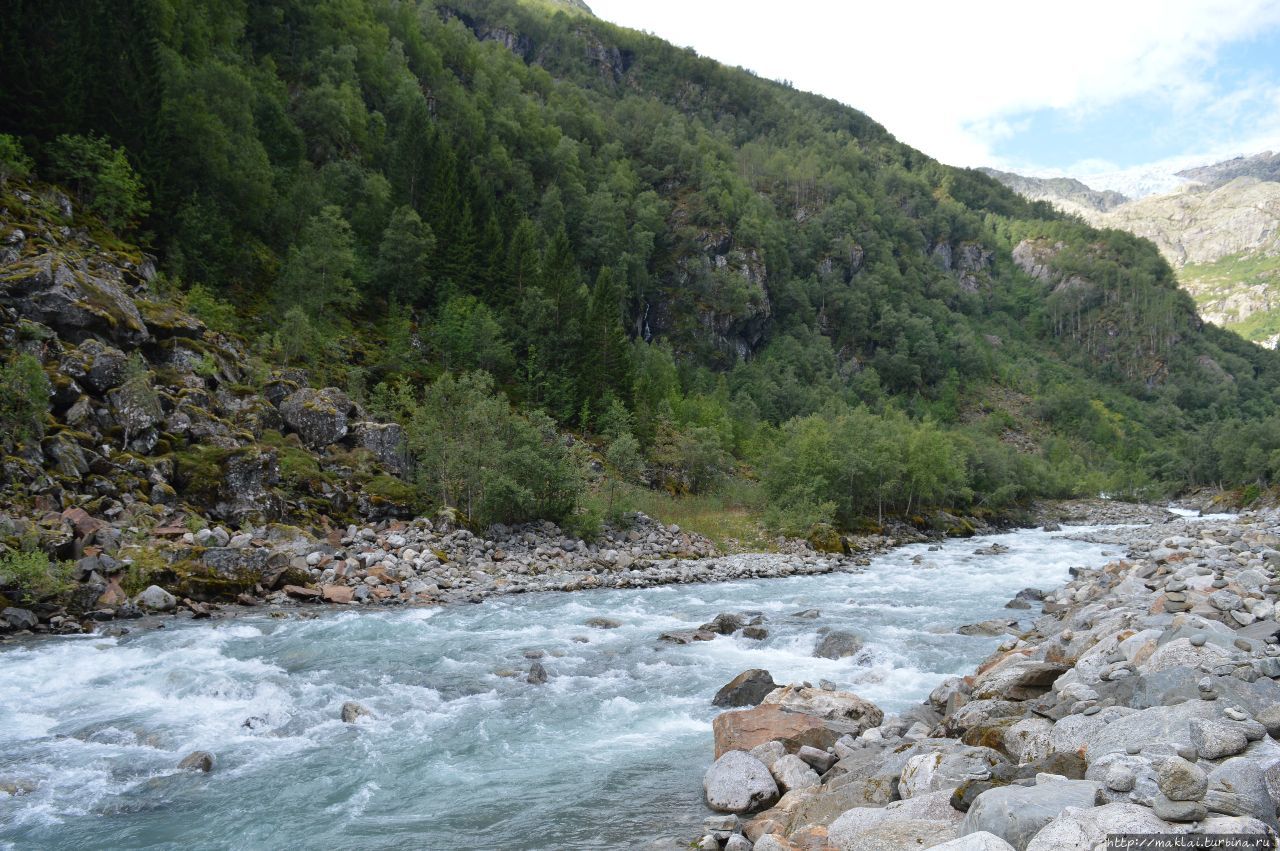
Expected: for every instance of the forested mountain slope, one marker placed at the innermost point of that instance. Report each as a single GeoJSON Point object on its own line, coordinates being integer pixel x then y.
{"type": "Point", "coordinates": [645, 244]}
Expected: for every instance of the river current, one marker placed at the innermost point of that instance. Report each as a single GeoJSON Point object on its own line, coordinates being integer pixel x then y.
{"type": "Point", "coordinates": [459, 754]}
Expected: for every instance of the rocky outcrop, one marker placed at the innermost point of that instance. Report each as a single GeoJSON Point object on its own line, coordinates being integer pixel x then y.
{"type": "Point", "coordinates": [318, 416]}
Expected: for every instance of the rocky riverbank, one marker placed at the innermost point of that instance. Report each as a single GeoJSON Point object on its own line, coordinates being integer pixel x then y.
{"type": "Point", "coordinates": [1142, 700]}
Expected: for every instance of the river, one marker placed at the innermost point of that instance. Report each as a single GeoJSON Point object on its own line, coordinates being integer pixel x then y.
{"type": "Point", "coordinates": [608, 754]}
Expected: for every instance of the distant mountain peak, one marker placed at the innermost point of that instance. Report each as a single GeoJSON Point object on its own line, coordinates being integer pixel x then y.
{"type": "Point", "coordinates": [1066, 192]}
{"type": "Point", "coordinates": [1263, 166]}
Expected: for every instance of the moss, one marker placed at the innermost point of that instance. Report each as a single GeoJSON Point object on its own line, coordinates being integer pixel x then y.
{"type": "Point", "coordinates": [392, 490]}
{"type": "Point", "coordinates": [825, 539]}
{"type": "Point", "coordinates": [199, 469]}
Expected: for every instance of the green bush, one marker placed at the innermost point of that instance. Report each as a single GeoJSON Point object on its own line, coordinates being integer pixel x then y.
{"type": "Point", "coordinates": [474, 453]}
{"type": "Point", "coordinates": [24, 399]}
{"type": "Point", "coordinates": [14, 161]}
{"type": "Point", "coordinates": [211, 310]}
{"type": "Point", "coordinates": [101, 177]}
{"type": "Point", "coordinates": [33, 576]}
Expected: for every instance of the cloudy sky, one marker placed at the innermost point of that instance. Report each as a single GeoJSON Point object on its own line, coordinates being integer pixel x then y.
{"type": "Point", "coordinates": [1084, 88]}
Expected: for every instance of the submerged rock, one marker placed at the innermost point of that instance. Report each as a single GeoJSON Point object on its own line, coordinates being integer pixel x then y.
{"type": "Point", "coordinates": [197, 761]}
{"type": "Point", "coordinates": [352, 711]}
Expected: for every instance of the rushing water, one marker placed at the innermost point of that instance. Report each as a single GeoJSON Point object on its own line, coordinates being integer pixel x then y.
{"type": "Point", "coordinates": [608, 754]}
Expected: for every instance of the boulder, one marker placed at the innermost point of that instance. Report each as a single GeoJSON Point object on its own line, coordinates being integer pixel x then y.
{"type": "Point", "coordinates": [1028, 740]}
{"type": "Point", "coordinates": [1089, 827]}
{"type": "Point", "coordinates": [910, 824]}
{"type": "Point", "coordinates": [385, 442]}
{"type": "Point", "coordinates": [352, 711]}
{"type": "Point", "coordinates": [318, 416]}
{"type": "Point", "coordinates": [19, 618]}
{"type": "Point", "coordinates": [78, 301]}
{"type": "Point", "coordinates": [197, 761]}
{"type": "Point", "coordinates": [791, 773]}
{"type": "Point", "coordinates": [747, 689]}
{"type": "Point", "coordinates": [537, 674]}
{"type": "Point", "coordinates": [1016, 679]}
{"type": "Point", "coordinates": [1214, 739]}
{"type": "Point", "coordinates": [837, 644]}
{"type": "Point", "coordinates": [156, 598]}
{"type": "Point", "coordinates": [945, 770]}
{"type": "Point", "coordinates": [744, 729]}
{"type": "Point", "coordinates": [739, 783]}
{"type": "Point", "coordinates": [337, 593]}
{"type": "Point", "coordinates": [1238, 787]}
{"type": "Point", "coordinates": [832, 705]}
{"type": "Point", "coordinates": [980, 841]}
{"type": "Point", "coordinates": [1017, 813]}
{"type": "Point", "coordinates": [1180, 780]}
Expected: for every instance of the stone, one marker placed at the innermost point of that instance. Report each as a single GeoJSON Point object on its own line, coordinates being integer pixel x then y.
{"type": "Point", "coordinates": [603, 623]}
{"type": "Point", "coordinates": [820, 760]}
{"type": "Point", "coordinates": [1089, 827]}
{"type": "Point", "coordinates": [769, 752]}
{"type": "Point", "coordinates": [755, 633]}
{"type": "Point", "coordinates": [1179, 811]}
{"type": "Point", "coordinates": [1017, 679]}
{"type": "Point", "coordinates": [352, 711]}
{"type": "Point", "coordinates": [1017, 813]}
{"type": "Point", "coordinates": [945, 770]}
{"type": "Point", "coordinates": [1028, 740]}
{"type": "Point", "coordinates": [747, 689]}
{"type": "Point", "coordinates": [1269, 718]}
{"type": "Point", "coordinates": [791, 773]}
{"type": "Point", "coordinates": [197, 761]}
{"type": "Point", "coordinates": [737, 842]}
{"type": "Point", "coordinates": [1120, 778]}
{"type": "Point", "coordinates": [1180, 780]}
{"type": "Point", "coordinates": [832, 705]}
{"type": "Point", "coordinates": [537, 674]}
{"type": "Point", "coordinates": [385, 442]}
{"type": "Point", "coordinates": [1216, 739]}
{"type": "Point", "coordinates": [837, 645]}
{"type": "Point", "coordinates": [739, 783]}
{"type": "Point", "coordinates": [1238, 787]}
{"type": "Point", "coordinates": [156, 599]}
{"type": "Point", "coordinates": [900, 824]}
{"type": "Point", "coordinates": [78, 301]}
{"type": "Point", "coordinates": [19, 618]}
{"type": "Point", "coordinates": [318, 416]}
{"type": "Point", "coordinates": [979, 841]}
{"type": "Point", "coordinates": [300, 593]}
{"type": "Point", "coordinates": [337, 593]}
{"type": "Point", "coordinates": [744, 729]}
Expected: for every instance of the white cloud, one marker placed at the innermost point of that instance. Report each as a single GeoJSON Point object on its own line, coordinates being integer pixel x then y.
{"type": "Point", "coordinates": [954, 78]}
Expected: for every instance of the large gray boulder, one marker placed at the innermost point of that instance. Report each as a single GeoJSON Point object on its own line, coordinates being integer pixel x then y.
{"type": "Point", "coordinates": [791, 773]}
{"type": "Point", "coordinates": [945, 770]}
{"type": "Point", "coordinates": [318, 416]}
{"type": "Point", "coordinates": [837, 644]}
{"type": "Point", "coordinates": [980, 841]}
{"type": "Point", "coordinates": [1017, 813]}
{"type": "Point", "coordinates": [1238, 787]}
{"type": "Point", "coordinates": [156, 598]}
{"type": "Point", "coordinates": [928, 817]}
{"type": "Point", "coordinates": [739, 783]}
{"type": "Point", "coordinates": [385, 442]}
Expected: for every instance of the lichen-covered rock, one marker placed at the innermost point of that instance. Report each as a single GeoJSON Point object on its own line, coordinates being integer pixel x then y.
{"type": "Point", "coordinates": [318, 416]}
{"type": "Point", "coordinates": [78, 301]}
{"type": "Point", "coordinates": [385, 442]}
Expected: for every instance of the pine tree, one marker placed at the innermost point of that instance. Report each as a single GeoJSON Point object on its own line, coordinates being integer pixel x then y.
{"type": "Point", "coordinates": [402, 271]}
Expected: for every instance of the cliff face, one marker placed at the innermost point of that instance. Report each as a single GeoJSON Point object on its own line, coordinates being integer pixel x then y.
{"type": "Point", "coordinates": [1221, 233]}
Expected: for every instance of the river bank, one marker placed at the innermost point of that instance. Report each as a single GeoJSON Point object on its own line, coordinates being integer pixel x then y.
{"type": "Point", "coordinates": [1142, 700]}
{"type": "Point", "coordinates": [127, 577]}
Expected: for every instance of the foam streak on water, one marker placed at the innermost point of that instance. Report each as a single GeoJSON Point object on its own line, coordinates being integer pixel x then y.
{"type": "Point", "coordinates": [608, 754]}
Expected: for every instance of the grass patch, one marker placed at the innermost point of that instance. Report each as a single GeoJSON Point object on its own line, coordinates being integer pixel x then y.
{"type": "Point", "coordinates": [731, 516]}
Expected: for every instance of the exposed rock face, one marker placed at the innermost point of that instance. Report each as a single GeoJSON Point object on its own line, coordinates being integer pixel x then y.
{"type": "Point", "coordinates": [385, 441]}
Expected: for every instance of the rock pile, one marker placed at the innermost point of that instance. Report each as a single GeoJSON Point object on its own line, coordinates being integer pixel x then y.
{"type": "Point", "coordinates": [1143, 700]}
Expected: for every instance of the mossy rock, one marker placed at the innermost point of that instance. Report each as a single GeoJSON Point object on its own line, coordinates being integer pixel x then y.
{"type": "Point", "coordinates": [825, 539]}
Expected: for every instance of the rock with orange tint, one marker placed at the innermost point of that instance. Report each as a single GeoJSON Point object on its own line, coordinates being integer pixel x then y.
{"type": "Point", "coordinates": [744, 729]}
{"type": "Point", "coordinates": [337, 593]}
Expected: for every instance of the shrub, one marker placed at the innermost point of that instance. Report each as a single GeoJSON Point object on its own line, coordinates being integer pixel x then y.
{"type": "Point", "coordinates": [101, 177]}
{"type": "Point", "coordinates": [33, 576]}
{"type": "Point", "coordinates": [14, 161]}
{"type": "Point", "coordinates": [24, 399]}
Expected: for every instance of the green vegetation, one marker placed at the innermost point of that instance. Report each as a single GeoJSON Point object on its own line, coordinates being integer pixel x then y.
{"type": "Point", "coordinates": [14, 162]}
{"type": "Point", "coordinates": [32, 576]}
{"type": "Point", "coordinates": [24, 399]}
{"type": "Point", "coordinates": [1255, 277]}
{"type": "Point", "coordinates": [548, 223]}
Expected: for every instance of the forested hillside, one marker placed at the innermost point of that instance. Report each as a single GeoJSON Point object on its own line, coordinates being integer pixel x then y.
{"type": "Point", "coordinates": [704, 273]}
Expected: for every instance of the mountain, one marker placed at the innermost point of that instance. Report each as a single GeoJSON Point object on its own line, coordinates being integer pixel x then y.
{"type": "Point", "coordinates": [1264, 166]}
{"type": "Point", "coordinates": [524, 236]}
{"type": "Point", "coordinates": [1066, 193]}
{"type": "Point", "coordinates": [1220, 231]}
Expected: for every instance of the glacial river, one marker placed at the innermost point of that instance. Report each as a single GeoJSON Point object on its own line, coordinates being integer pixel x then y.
{"type": "Point", "coordinates": [458, 754]}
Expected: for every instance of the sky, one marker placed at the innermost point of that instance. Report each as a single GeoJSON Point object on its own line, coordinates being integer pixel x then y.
{"type": "Point", "coordinates": [1086, 88]}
